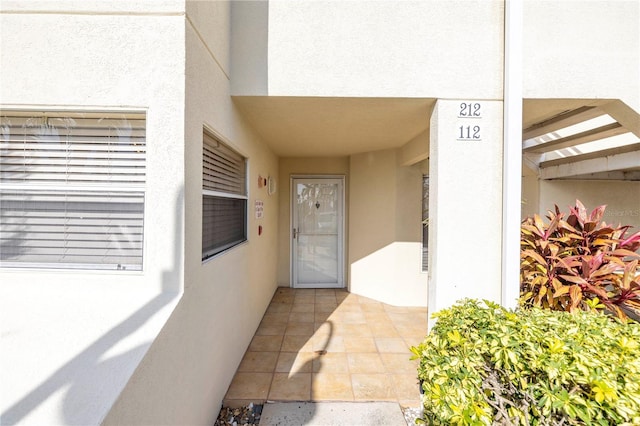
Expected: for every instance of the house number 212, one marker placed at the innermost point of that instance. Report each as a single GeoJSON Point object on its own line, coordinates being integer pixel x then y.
{"type": "Point", "coordinates": [471, 109]}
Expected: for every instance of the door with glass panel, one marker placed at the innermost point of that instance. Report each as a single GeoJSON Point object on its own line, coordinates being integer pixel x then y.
{"type": "Point", "coordinates": [317, 233]}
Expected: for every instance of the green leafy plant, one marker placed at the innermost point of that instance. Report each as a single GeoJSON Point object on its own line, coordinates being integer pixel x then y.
{"type": "Point", "coordinates": [579, 263]}
{"type": "Point", "coordinates": [483, 364]}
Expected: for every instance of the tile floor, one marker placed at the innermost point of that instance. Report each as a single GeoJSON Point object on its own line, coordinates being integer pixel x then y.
{"type": "Point", "coordinates": [330, 345]}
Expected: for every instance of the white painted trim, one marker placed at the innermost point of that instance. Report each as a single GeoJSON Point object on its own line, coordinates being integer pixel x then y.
{"type": "Point", "coordinates": [512, 153]}
{"type": "Point", "coordinates": [223, 194]}
{"type": "Point", "coordinates": [340, 179]}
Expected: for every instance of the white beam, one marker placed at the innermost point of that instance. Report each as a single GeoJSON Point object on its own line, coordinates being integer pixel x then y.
{"type": "Point", "coordinates": [566, 119]}
{"type": "Point", "coordinates": [559, 169]}
{"type": "Point", "coordinates": [512, 153]}
{"type": "Point", "coordinates": [590, 135]}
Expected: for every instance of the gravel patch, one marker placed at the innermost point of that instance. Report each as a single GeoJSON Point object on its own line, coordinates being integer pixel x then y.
{"type": "Point", "coordinates": [242, 416]}
{"type": "Point", "coordinates": [411, 414]}
{"type": "Point", "coordinates": [250, 415]}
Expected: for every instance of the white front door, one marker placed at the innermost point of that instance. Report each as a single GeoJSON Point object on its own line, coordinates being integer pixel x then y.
{"type": "Point", "coordinates": [317, 234]}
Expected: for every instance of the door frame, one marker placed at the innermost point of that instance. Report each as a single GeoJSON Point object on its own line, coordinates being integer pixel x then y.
{"type": "Point", "coordinates": [341, 229]}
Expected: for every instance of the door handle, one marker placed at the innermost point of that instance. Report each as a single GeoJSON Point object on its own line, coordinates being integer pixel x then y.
{"type": "Point", "coordinates": [295, 233]}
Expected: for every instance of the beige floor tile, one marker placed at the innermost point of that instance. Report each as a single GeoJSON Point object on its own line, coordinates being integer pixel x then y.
{"type": "Point", "coordinates": [365, 363]}
{"type": "Point", "coordinates": [306, 297]}
{"type": "Point", "coordinates": [306, 308]}
{"type": "Point", "coordinates": [342, 296]}
{"type": "Point", "coordinates": [325, 292]}
{"type": "Point", "coordinates": [296, 387]}
{"type": "Point", "coordinates": [372, 307]}
{"type": "Point", "coordinates": [328, 343]}
{"type": "Point", "coordinates": [321, 317]}
{"type": "Point", "coordinates": [407, 319]}
{"type": "Point", "coordinates": [396, 309]}
{"type": "Point", "coordinates": [331, 387]}
{"type": "Point", "coordinates": [249, 386]}
{"type": "Point", "coordinates": [411, 330]}
{"type": "Point", "coordinates": [271, 330]}
{"type": "Point", "coordinates": [277, 307]}
{"type": "Point", "coordinates": [334, 362]}
{"type": "Point", "coordinates": [413, 341]}
{"type": "Point", "coordinates": [288, 299]}
{"type": "Point", "coordinates": [324, 328]}
{"type": "Point", "coordinates": [399, 363]}
{"type": "Point", "coordinates": [349, 318]}
{"type": "Point", "coordinates": [259, 362]}
{"type": "Point", "coordinates": [372, 387]}
{"type": "Point", "coordinates": [384, 330]}
{"type": "Point", "coordinates": [295, 343]}
{"type": "Point", "coordinates": [353, 330]}
{"type": "Point", "coordinates": [325, 307]}
{"type": "Point", "coordinates": [301, 317]}
{"type": "Point", "coordinates": [349, 307]}
{"type": "Point", "coordinates": [405, 387]}
{"type": "Point", "coordinates": [329, 300]}
{"type": "Point", "coordinates": [360, 344]}
{"type": "Point", "coordinates": [366, 300]}
{"type": "Point", "coordinates": [265, 343]}
{"type": "Point", "coordinates": [294, 362]}
{"type": "Point", "coordinates": [377, 317]}
{"type": "Point", "coordinates": [391, 345]}
{"type": "Point", "coordinates": [300, 329]}
{"type": "Point", "coordinates": [275, 318]}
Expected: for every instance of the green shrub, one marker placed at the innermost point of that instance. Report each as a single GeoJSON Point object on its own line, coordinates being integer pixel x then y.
{"type": "Point", "coordinates": [579, 263]}
{"type": "Point", "coordinates": [483, 364]}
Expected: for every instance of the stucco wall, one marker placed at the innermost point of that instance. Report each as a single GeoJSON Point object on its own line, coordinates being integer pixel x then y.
{"type": "Point", "coordinates": [582, 49]}
{"type": "Point", "coordinates": [329, 48]}
{"type": "Point", "coordinates": [530, 195]}
{"type": "Point", "coordinates": [385, 230]}
{"type": "Point", "coordinates": [71, 340]}
{"type": "Point", "coordinates": [302, 166]}
{"type": "Point", "coordinates": [189, 368]}
{"type": "Point", "coordinates": [622, 198]}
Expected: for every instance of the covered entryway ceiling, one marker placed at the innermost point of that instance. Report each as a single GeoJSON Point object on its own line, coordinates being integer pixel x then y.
{"type": "Point", "coordinates": [562, 138]}
{"type": "Point", "coordinates": [324, 127]}
{"type": "Point", "coordinates": [581, 139]}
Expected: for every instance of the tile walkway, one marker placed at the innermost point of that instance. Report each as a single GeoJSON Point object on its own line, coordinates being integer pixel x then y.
{"type": "Point", "coordinates": [330, 345]}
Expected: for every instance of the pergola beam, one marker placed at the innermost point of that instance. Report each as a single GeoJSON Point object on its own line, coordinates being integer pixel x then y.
{"type": "Point", "coordinates": [622, 158]}
{"type": "Point", "coordinates": [560, 121]}
{"type": "Point", "coordinates": [591, 135]}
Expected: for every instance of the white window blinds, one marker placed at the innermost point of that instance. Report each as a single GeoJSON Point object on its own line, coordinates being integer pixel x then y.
{"type": "Point", "coordinates": [72, 190]}
{"type": "Point", "coordinates": [224, 197]}
{"type": "Point", "coordinates": [223, 170]}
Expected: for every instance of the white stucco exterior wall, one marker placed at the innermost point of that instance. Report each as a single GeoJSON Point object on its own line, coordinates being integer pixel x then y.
{"type": "Point", "coordinates": [188, 370]}
{"type": "Point", "coordinates": [586, 49]}
{"type": "Point", "coordinates": [330, 48]}
{"type": "Point", "coordinates": [72, 339]}
{"type": "Point", "coordinates": [621, 198]}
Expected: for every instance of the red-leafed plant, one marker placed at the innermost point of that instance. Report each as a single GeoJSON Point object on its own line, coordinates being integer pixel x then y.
{"type": "Point", "coordinates": [579, 263]}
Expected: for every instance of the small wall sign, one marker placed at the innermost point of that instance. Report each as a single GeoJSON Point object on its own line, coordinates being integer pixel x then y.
{"type": "Point", "coordinates": [259, 207]}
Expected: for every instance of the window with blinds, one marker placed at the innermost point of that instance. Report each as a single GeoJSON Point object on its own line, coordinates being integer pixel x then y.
{"type": "Point", "coordinates": [72, 190]}
{"type": "Point", "coordinates": [224, 197]}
